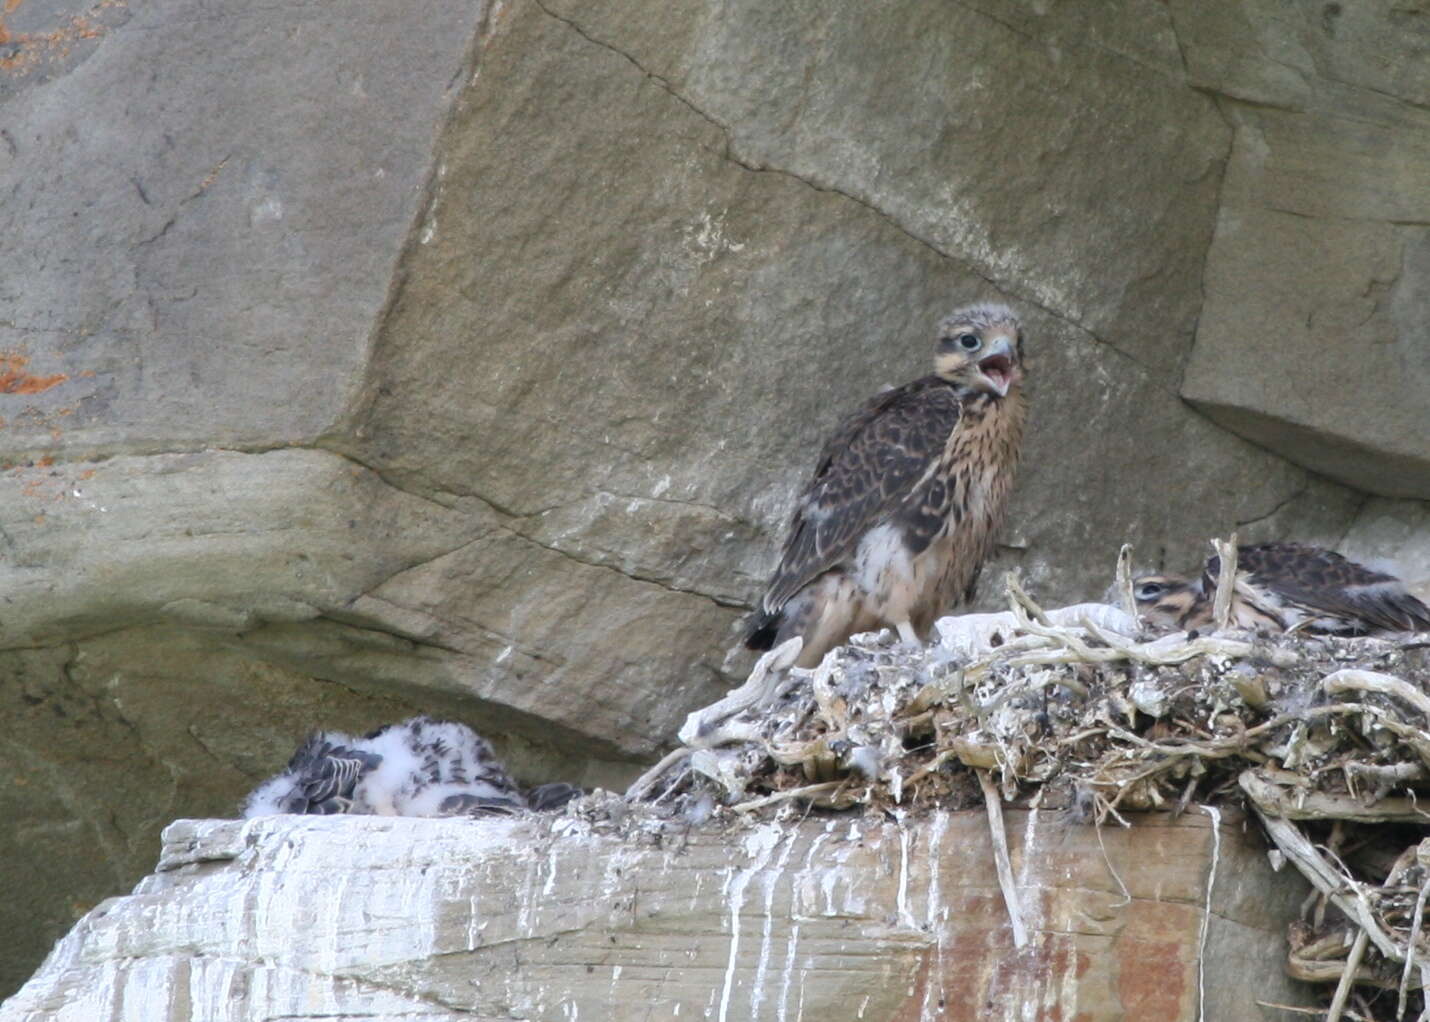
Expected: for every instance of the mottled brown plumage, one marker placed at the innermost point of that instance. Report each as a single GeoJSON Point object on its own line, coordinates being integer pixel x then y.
{"type": "Point", "coordinates": [1286, 586]}
{"type": "Point", "coordinates": [905, 498]}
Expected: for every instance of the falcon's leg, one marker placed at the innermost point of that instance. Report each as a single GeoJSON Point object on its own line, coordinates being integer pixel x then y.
{"type": "Point", "coordinates": [907, 633]}
{"type": "Point", "coordinates": [837, 606]}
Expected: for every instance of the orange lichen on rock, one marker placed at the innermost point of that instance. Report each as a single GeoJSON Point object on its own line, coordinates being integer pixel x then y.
{"type": "Point", "coordinates": [14, 379]}
{"type": "Point", "coordinates": [33, 47]}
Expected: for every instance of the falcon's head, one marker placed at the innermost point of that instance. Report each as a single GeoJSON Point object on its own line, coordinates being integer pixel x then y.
{"type": "Point", "coordinates": [980, 347]}
{"type": "Point", "coordinates": [1170, 601]}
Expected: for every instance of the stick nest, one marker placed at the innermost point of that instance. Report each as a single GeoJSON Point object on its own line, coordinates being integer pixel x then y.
{"type": "Point", "coordinates": [1326, 740]}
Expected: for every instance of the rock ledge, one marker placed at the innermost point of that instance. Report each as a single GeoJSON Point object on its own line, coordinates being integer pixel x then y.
{"type": "Point", "coordinates": [560, 918]}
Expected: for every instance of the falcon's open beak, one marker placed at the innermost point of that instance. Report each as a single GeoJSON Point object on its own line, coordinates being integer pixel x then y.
{"type": "Point", "coordinates": [1000, 366]}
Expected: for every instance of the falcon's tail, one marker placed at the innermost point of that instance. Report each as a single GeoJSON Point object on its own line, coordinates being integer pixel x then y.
{"type": "Point", "coordinates": [1391, 607]}
{"type": "Point", "coordinates": [761, 627]}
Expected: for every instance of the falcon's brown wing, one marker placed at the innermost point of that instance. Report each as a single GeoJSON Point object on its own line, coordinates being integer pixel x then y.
{"type": "Point", "coordinates": [870, 465]}
{"type": "Point", "coordinates": [1323, 580]}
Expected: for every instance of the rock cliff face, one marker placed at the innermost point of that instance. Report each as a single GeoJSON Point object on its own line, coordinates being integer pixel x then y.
{"type": "Point", "coordinates": [361, 917]}
{"type": "Point", "coordinates": [365, 360]}
{"type": "Point", "coordinates": [1319, 271]}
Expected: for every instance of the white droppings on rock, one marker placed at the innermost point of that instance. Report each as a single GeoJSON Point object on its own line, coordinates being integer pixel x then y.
{"type": "Point", "coordinates": [1027, 882]}
{"type": "Point", "coordinates": [906, 918]}
{"type": "Point", "coordinates": [758, 846]}
{"type": "Point", "coordinates": [771, 878]}
{"type": "Point", "coordinates": [935, 912]}
{"type": "Point", "coordinates": [423, 918]}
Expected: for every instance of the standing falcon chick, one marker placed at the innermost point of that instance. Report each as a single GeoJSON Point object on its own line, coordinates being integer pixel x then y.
{"type": "Point", "coordinates": [906, 497]}
{"type": "Point", "coordinates": [1286, 587]}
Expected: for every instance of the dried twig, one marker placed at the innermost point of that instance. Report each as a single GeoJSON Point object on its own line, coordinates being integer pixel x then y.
{"type": "Point", "coordinates": [1175, 649]}
{"type": "Point", "coordinates": [936, 764]}
{"type": "Point", "coordinates": [1384, 776]}
{"type": "Point", "coordinates": [1351, 680]}
{"type": "Point", "coordinates": [808, 791]}
{"type": "Point", "coordinates": [701, 727]}
{"type": "Point", "coordinates": [1124, 581]}
{"type": "Point", "coordinates": [1410, 946]}
{"type": "Point", "coordinates": [1343, 988]}
{"type": "Point", "coordinates": [1319, 805]}
{"type": "Point", "coordinates": [1318, 1012]}
{"type": "Point", "coordinates": [1329, 881]}
{"type": "Point", "coordinates": [646, 781]}
{"type": "Point", "coordinates": [1018, 600]}
{"type": "Point", "coordinates": [1225, 582]}
{"type": "Point", "coordinates": [994, 803]}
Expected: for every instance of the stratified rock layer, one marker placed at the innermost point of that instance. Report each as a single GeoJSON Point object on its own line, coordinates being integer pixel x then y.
{"type": "Point", "coordinates": [833, 919]}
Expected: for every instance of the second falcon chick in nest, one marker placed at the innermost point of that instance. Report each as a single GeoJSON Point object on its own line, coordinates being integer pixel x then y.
{"type": "Point", "coordinates": [420, 767]}
{"type": "Point", "coordinates": [905, 499]}
{"type": "Point", "coordinates": [1286, 587]}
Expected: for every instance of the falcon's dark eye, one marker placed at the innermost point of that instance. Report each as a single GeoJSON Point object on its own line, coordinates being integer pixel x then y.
{"type": "Point", "coordinates": [1149, 590]}
{"type": "Point", "coordinates": [969, 342]}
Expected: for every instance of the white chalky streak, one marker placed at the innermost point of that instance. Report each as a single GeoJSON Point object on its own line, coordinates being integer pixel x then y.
{"type": "Point", "coordinates": [794, 914]}
{"type": "Point", "coordinates": [757, 995]}
{"type": "Point", "coordinates": [758, 846]}
{"type": "Point", "coordinates": [550, 872]}
{"type": "Point", "coordinates": [937, 829]}
{"type": "Point", "coordinates": [906, 917]}
{"type": "Point", "coordinates": [1032, 908]}
{"type": "Point", "coordinates": [1215, 814]}
{"type": "Point", "coordinates": [789, 968]}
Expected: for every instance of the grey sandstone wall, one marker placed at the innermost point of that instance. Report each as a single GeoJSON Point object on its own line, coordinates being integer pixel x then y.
{"type": "Point", "coordinates": [360, 359]}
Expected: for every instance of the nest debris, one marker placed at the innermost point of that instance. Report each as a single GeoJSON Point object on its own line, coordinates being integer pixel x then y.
{"type": "Point", "coordinates": [1326, 740]}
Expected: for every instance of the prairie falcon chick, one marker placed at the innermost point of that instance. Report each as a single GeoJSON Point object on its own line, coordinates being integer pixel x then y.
{"type": "Point", "coordinates": [906, 496]}
{"type": "Point", "coordinates": [420, 767]}
{"type": "Point", "coordinates": [1286, 587]}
